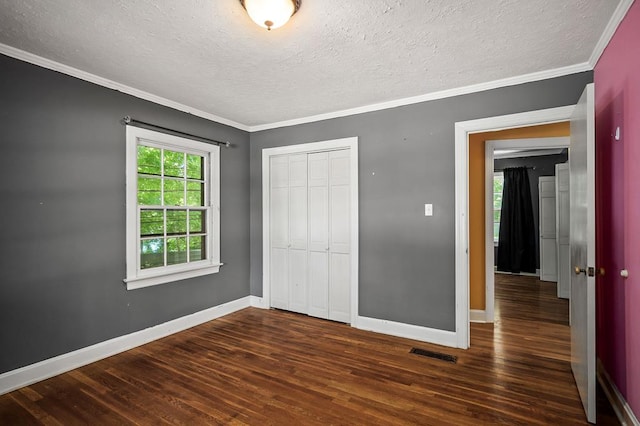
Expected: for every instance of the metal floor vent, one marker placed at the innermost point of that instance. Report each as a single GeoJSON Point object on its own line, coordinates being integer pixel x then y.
{"type": "Point", "coordinates": [437, 355]}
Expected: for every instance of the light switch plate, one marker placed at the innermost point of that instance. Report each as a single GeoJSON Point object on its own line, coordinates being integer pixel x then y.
{"type": "Point", "coordinates": [428, 209]}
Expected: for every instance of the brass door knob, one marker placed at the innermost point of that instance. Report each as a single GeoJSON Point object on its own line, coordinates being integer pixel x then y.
{"type": "Point", "coordinates": [579, 270]}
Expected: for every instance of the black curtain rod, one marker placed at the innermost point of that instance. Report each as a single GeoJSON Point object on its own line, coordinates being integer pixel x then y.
{"type": "Point", "coordinates": [132, 122]}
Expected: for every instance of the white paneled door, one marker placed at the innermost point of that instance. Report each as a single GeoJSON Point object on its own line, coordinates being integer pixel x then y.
{"type": "Point", "coordinates": [582, 242]}
{"type": "Point", "coordinates": [562, 230]}
{"type": "Point", "coordinates": [298, 233]}
{"type": "Point", "coordinates": [319, 235]}
{"type": "Point", "coordinates": [310, 267]}
{"type": "Point", "coordinates": [339, 243]}
{"type": "Point", "coordinates": [547, 222]}
{"type": "Point", "coordinates": [279, 232]}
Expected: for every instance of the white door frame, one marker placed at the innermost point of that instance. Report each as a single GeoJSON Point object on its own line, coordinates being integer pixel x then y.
{"type": "Point", "coordinates": [462, 131]}
{"type": "Point", "coordinates": [490, 147]}
{"type": "Point", "coordinates": [345, 143]}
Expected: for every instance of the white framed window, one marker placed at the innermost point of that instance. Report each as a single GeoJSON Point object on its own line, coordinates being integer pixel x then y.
{"type": "Point", "coordinates": [498, 185]}
{"type": "Point", "coordinates": [173, 208]}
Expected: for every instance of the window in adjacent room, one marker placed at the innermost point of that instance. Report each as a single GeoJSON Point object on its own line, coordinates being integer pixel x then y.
{"type": "Point", "coordinates": [172, 208]}
{"type": "Point", "coordinates": [498, 183]}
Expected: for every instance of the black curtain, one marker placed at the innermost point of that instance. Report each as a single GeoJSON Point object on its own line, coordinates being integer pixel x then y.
{"type": "Point", "coordinates": [517, 240]}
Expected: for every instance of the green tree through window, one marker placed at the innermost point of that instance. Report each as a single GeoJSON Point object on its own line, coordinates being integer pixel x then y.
{"type": "Point", "coordinates": [171, 197]}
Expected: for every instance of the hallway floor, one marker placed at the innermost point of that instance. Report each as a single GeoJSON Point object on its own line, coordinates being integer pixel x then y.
{"type": "Point", "coordinates": [528, 310]}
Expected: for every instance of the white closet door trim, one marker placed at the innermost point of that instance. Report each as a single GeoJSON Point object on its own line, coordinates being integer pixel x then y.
{"type": "Point", "coordinates": [335, 144]}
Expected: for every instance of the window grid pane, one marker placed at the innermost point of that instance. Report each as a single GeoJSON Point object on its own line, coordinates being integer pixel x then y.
{"type": "Point", "coordinates": [176, 233]}
{"type": "Point", "coordinates": [151, 253]}
{"type": "Point", "coordinates": [195, 167]}
{"type": "Point", "coordinates": [173, 192]}
{"type": "Point", "coordinates": [173, 163]}
{"type": "Point", "coordinates": [149, 160]}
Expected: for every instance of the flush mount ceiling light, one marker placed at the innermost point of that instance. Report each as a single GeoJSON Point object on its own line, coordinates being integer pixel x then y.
{"type": "Point", "coordinates": [271, 14]}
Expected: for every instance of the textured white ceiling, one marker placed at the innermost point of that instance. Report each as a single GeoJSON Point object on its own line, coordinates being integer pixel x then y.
{"type": "Point", "coordinates": [333, 54]}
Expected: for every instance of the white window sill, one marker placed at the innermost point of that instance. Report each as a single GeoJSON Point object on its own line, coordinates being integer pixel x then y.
{"type": "Point", "coordinates": [147, 281]}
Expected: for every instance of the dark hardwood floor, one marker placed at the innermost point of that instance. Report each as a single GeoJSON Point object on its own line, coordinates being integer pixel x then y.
{"type": "Point", "coordinates": [272, 367]}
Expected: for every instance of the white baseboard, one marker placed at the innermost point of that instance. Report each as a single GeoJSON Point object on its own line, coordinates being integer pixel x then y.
{"type": "Point", "coordinates": [258, 302]}
{"type": "Point", "coordinates": [619, 404]}
{"type": "Point", "coordinates": [15, 379]}
{"type": "Point", "coordinates": [415, 332]}
{"type": "Point", "coordinates": [477, 315]}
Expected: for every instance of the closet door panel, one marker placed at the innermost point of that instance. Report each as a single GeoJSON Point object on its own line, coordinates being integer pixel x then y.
{"type": "Point", "coordinates": [319, 169]}
{"type": "Point", "coordinates": [340, 168]}
{"type": "Point", "coordinates": [550, 265]}
{"type": "Point", "coordinates": [298, 233]}
{"type": "Point", "coordinates": [339, 289]}
{"type": "Point", "coordinates": [318, 218]}
{"type": "Point", "coordinates": [318, 234]}
{"type": "Point", "coordinates": [279, 278]}
{"type": "Point", "coordinates": [279, 232]}
{"type": "Point", "coordinates": [279, 217]}
{"type": "Point", "coordinates": [298, 281]}
{"type": "Point", "coordinates": [564, 271]}
{"type": "Point", "coordinates": [298, 170]}
{"type": "Point", "coordinates": [298, 201]}
{"type": "Point", "coordinates": [298, 217]}
{"type": "Point", "coordinates": [280, 172]}
{"type": "Point", "coordinates": [339, 236]}
{"type": "Point", "coordinates": [562, 230]}
{"type": "Point", "coordinates": [339, 219]}
{"type": "Point", "coordinates": [319, 284]}
{"type": "Point", "coordinates": [547, 228]}
{"type": "Point", "coordinates": [563, 217]}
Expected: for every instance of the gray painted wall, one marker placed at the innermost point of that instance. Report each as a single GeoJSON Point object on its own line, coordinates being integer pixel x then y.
{"type": "Point", "coordinates": [407, 262]}
{"type": "Point", "coordinates": [542, 165]}
{"type": "Point", "coordinates": [62, 183]}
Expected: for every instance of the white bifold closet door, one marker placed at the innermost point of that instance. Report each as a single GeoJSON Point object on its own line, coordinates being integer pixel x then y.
{"type": "Point", "coordinates": [310, 234]}
{"type": "Point", "coordinates": [319, 234]}
{"type": "Point", "coordinates": [289, 232]}
{"type": "Point", "coordinates": [329, 235]}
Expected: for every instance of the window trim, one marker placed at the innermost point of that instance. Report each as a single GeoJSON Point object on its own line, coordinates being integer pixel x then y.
{"type": "Point", "coordinates": [139, 278]}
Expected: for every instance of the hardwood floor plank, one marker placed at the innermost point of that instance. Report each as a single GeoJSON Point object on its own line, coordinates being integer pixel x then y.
{"type": "Point", "coordinates": [12, 411]}
{"type": "Point", "coordinates": [271, 367]}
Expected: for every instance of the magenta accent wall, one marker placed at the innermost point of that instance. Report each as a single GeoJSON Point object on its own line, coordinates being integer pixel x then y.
{"type": "Point", "coordinates": [617, 85]}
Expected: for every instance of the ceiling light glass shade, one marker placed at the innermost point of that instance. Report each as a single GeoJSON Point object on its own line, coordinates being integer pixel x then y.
{"type": "Point", "coordinates": [270, 14]}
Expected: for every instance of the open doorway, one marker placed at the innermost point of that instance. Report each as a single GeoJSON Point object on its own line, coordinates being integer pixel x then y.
{"type": "Point", "coordinates": [465, 159]}
{"type": "Point", "coordinates": [582, 233]}
{"type": "Point", "coordinates": [536, 158]}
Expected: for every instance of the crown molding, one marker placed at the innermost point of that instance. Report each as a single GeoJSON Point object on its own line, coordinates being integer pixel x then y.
{"type": "Point", "coordinates": [505, 82]}
{"type": "Point", "coordinates": [609, 31]}
{"type": "Point", "coordinates": [110, 84]}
